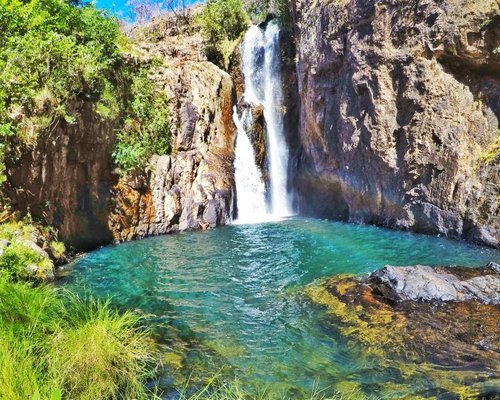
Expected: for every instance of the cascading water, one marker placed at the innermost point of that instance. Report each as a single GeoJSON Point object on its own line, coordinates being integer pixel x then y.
{"type": "Point", "coordinates": [261, 69]}
{"type": "Point", "coordinates": [249, 185]}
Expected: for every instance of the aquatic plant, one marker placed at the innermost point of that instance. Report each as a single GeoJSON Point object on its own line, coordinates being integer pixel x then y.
{"type": "Point", "coordinates": [377, 328]}
{"type": "Point", "coordinates": [219, 389]}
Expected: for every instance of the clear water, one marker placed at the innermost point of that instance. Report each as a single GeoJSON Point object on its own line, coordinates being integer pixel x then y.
{"type": "Point", "coordinates": [236, 291]}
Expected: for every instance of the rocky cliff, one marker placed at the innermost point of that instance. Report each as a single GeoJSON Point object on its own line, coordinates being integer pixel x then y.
{"type": "Point", "coordinates": [193, 187]}
{"type": "Point", "coordinates": [68, 180]}
{"type": "Point", "coordinates": [400, 109]}
{"type": "Point", "coordinates": [65, 180]}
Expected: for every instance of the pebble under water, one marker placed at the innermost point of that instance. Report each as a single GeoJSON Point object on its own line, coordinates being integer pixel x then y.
{"type": "Point", "coordinates": [230, 300]}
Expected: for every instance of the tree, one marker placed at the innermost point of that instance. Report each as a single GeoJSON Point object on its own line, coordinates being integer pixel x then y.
{"type": "Point", "coordinates": [180, 9]}
{"type": "Point", "coordinates": [144, 10]}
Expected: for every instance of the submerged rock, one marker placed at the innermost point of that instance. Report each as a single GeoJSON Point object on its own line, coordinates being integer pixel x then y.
{"type": "Point", "coordinates": [438, 323]}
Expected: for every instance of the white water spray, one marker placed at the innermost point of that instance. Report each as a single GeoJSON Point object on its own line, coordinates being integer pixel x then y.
{"type": "Point", "coordinates": [261, 68]}
{"type": "Point", "coordinates": [249, 185]}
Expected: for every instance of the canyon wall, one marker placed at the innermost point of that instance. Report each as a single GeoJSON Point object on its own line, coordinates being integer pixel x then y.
{"type": "Point", "coordinates": [68, 179]}
{"type": "Point", "coordinates": [400, 108]}
{"type": "Point", "coordinates": [65, 180]}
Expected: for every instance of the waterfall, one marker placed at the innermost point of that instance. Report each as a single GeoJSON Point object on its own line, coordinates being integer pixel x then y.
{"type": "Point", "coordinates": [250, 188]}
{"type": "Point", "coordinates": [261, 68]}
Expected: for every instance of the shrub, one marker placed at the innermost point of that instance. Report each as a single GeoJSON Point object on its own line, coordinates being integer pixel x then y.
{"type": "Point", "coordinates": [51, 52]}
{"type": "Point", "coordinates": [221, 21]}
{"type": "Point", "coordinates": [20, 261]}
{"type": "Point", "coordinates": [146, 129]}
{"type": "Point", "coordinates": [25, 248]}
{"type": "Point", "coordinates": [491, 152]}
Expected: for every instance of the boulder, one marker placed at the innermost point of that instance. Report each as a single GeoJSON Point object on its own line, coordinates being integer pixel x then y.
{"type": "Point", "coordinates": [424, 283]}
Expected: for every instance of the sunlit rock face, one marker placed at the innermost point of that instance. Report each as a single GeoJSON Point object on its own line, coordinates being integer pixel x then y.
{"type": "Point", "coordinates": [69, 180]}
{"type": "Point", "coordinates": [400, 103]}
{"type": "Point", "coordinates": [193, 188]}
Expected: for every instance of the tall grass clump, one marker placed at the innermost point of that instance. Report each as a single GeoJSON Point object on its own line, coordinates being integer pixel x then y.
{"type": "Point", "coordinates": [57, 345]}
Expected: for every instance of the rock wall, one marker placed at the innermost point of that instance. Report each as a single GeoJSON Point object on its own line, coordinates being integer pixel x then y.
{"type": "Point", "coordinates": [400, 101]}
{"type": "Point", "coordinates": [68, 180]}
{"type": "Point", "coordinates": [65, 179]}
{"type": "Point", "coordinates": [193, 188]}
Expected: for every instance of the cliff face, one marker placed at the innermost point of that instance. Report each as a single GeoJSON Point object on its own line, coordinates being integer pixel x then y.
{"type": "Point", "coordinates": [193, 187]}
{"type": "Point", "coordinates": [400, 102]}
{"type": "Point", "coordinates": [65, 180]}
{"type": "Point", "coordinates": [69, 181]}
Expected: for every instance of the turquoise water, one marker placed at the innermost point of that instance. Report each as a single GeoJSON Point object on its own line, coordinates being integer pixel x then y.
{"type": "Point", "coordinates": [232, 296]}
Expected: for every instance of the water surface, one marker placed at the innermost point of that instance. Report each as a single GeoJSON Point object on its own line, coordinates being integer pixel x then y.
{"type": "Point", "coordinates": [233, 295]}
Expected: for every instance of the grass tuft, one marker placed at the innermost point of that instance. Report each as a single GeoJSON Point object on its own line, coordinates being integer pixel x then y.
{"type": "Point", "coordinates": [55, 343]}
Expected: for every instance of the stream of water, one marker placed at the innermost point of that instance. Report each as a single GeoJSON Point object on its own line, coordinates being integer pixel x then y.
{"type": "Point", "coordinates": [262, 72]}
{"type": "Point", "coordinates": [233, 296]}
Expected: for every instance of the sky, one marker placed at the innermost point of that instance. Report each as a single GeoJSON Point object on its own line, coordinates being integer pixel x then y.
{"type": "Point", "coordinates": [120, 8]}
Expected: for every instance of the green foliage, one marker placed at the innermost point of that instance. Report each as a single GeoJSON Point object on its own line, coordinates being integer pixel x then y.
{"type": "Point", "coordinates": [492, 152]}
{"type": "Point", "coordinates": [146, 130]}
{"type": "Point", "coordinates": [58, 249]}
{"type": "Point", "coordinates": [51, 52]}
{"type": "Point", "coordinates": [221, 21]}
{"type": "Point", "coordinates": [25, 249]}
{"type": "Point", "coordinates": [260, 9]}
{"type": "Point", "coordinates": [21, 262]}
{"type": "Point", "coordinates": [54, 345]}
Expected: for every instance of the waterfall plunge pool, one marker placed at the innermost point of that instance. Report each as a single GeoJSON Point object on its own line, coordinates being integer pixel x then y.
{"type": "Point", "coordinates": [230, 301]}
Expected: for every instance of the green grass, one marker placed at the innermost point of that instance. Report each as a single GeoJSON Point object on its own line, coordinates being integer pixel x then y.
{"type": "Point", "coordinates": [25, 249]}
{"type": "Point", "coordinates": [55, 344]}
{"type": "Point", "coordinates": [219, 389]}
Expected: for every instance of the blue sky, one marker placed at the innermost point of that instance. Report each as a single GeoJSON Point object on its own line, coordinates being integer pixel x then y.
{"type": "Point", "coordinates": [119, 7]}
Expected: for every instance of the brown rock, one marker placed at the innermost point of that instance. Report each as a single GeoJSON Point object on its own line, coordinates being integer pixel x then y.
{"type": "Point", "coordinates": [398, 102]}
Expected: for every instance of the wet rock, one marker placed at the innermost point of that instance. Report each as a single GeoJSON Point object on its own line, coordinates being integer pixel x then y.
{"type": "Point", "coordinates": [494, 267]}
{"type": "Point", "coordinates": [425, 283]}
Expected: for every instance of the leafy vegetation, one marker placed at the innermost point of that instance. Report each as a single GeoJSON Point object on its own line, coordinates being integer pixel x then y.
{"type": "Point", "coordinates": [55, 345]}
{"type": "Point", "coordinates": [25, 249]}
{"type": "Point", "coordinates": [146, 129]}
{"type": "Point", "coordinates": [51, 53]}
{"type": "Point", "coordinates": [492, 152]}
{"type": "Point", "coordinates": [222, 22]}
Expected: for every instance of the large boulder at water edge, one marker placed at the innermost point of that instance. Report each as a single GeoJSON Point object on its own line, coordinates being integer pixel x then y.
{"type": "Point", "coordinates": [438, 284]}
